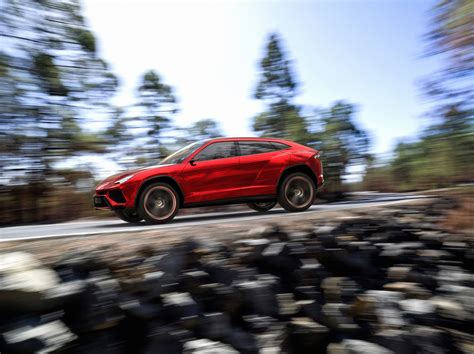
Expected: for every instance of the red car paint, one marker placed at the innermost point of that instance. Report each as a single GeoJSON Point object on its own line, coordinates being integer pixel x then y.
{"type": "Point", "coordinates": [222, 179]}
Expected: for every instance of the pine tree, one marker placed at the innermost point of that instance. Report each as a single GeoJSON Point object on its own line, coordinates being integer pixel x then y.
{"type": "Point", "coordinates": [158, 104]}
{"type": "Point", "coordinates": [51, 80]}
{"type": "Point", "coordinates": [277, 89]}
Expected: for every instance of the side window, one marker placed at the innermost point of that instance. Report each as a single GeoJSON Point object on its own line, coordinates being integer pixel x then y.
{"type": "Point", "coordinates": [217, 151]}
{"type": "Point", "coordinates": [279, 146]}
{"type": "Point", "coordinates": [252, 147]}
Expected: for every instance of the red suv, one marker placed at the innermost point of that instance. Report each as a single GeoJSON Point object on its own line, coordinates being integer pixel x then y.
{"type": "Point", "coordinates": [256, 171]}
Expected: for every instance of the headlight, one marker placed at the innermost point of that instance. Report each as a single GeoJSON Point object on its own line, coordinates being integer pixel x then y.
{"type": "Point", "coordinates": [317, 155]}
{"type": "Point", "coordinates": [124, 179]}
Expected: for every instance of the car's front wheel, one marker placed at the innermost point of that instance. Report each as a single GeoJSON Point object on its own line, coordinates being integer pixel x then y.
{"type": "Point", "coordinates": [297, 192]}
{"type": "Point", "coordinates": [261, 206]}
{"type": "Point", "coordinates": [158, 203]}
{"type": "Point", "coordinates": [128, 215]}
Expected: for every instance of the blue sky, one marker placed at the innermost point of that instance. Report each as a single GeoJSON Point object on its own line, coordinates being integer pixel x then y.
{"type": "Point", "coordinates": [364, 52]}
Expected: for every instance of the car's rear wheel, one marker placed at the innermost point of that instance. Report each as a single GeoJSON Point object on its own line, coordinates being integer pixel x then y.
{"type": "Point", "coordinates": [128, 215]}
{"type": "Point", "coordinates": [158, 203]}
{"type": "Point", "coordinates": [262, 206]}
{"type": "Point", "coordinates": [297, 192]}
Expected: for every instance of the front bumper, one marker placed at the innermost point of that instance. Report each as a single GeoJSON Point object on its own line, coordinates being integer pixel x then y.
{"type": "Point", "coordinates": [109, 199]}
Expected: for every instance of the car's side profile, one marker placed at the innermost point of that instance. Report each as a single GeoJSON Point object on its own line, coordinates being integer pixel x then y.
{"type": "Point", "coordinates": [258, 171]}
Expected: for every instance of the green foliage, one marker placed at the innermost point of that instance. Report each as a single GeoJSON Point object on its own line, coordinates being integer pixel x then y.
{"type": "Point", "coordinates": [444, 155]}
{"type": "Point", "coordinates": [157, 104]}
{"type": "Point", "coordinates": [51, 80]}
{"type": "Point", "coordinates": [276, 89]}
{"type": "Point", "coordinates": [276, 84]}
{"type": "Point", "coordinates": [204, 129]}
{"type": "Point", "coordinates": [198, 131]}
{"type": "Point", "coordinates": [334, 130]}
{"type": "Point", "coordinates": [49, 75]}
{"type": "Point", "coordinates": [86, 39]}
{"type": "Point", "coordinates": [451, 38]}
{"type": "Point", "coordinates": [342, 141]}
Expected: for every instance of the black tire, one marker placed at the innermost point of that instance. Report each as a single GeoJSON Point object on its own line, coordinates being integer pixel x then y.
{"type": "Point", "coordinates": [297, 192]}
{"type": "Point", "coordinates": [262, 206]}
{"type": "Point", "coordinates": [128, 215]}
{"type": "Point", "coordinates": [158, 203]}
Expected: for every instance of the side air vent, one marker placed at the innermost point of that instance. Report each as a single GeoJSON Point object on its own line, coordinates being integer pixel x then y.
{"type": "Point", "coordinates": [117, 196]}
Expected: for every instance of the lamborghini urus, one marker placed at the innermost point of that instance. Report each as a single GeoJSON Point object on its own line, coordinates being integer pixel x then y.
{"type": "Point", "coordinates": [260, 172]}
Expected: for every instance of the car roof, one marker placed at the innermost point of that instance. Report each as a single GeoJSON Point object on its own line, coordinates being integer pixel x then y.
{"type": "Point", "coordinates": [250, 139]}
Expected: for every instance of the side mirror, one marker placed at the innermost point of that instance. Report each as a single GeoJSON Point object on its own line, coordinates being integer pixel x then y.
{"type": "Point", "coordinates": [192, 162]}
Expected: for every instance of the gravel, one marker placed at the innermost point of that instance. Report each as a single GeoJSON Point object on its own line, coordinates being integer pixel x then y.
{"type": "Point", "coordinates": [381, 281]}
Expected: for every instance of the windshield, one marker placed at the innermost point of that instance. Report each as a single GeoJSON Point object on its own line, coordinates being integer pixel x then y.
{"type": "Point", "coordinates": [181, 154]}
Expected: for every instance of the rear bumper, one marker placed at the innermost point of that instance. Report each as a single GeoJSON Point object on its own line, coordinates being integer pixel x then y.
{"type": "Point", "coordinates": [320, 180]}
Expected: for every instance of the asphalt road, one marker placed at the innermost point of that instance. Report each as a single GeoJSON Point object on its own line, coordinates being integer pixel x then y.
{"type": "Point", "coordinates": [88, 227]}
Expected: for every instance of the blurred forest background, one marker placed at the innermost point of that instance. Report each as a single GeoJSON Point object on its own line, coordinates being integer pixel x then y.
{"type": "Point", "coordinates": [52, 82]}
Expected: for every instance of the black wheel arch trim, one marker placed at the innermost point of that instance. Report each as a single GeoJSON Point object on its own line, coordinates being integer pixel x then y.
{"type": "Point", "coordinates": [294, 169]}
{"type": "Point", "coordinates": [160, 178]}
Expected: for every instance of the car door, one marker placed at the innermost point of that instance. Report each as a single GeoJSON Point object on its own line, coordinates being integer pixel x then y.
{"type": "Point", "coordinates": [261, 163]}
{"type": "Point", "coordinates": [212, 174]}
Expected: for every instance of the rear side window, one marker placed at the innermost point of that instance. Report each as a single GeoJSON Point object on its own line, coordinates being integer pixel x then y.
{"type": "Point", "coordinates": [217, 151]}
{"type": "Point", "coordinates": [258, 147]}
{"type": "Point", "coordinates": [280, 146]}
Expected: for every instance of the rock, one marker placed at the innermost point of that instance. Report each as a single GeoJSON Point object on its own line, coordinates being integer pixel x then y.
{"type": "Point", "coordinates": [310, 273]}
{"type": "Point", "coordinates": [398, 273]}
{"type": "Point", "coordinates": [339, 289]}
{"type": "Point", "coordinates": [135, 326]}
{"type": "Point", "coordinates": [289, 293]}
{"type": "Point", "coordinates": [191, 281]}
{"type": "Point", "coordinates": [216, 297]}
{"type": "Point", "coordinates": [155, 284]}
{"type": "Point", "coordinates": [449, 275]}
{"type": "Point", "coordinates": [257, 323]}
{"type": "Point", "coordinates": [16, 262]}
{"type": "Point", "coordinates": [432, 239]}
{"type": "Point", "coordinates": [214, 325]}
{"type": "Point", "coordinates": [307, 293]}
{"type": "Point", "coordinates": [306, 336]}
{"type": "Point", "coordinates": [244, 342]}
{"type": "Point", "coordinates": [258, 298]}
{"type": "Point", "coordinates": [274, 231]}
{"type": "Point", "coordinates": [26, 285]}
{"type": "Point", "coordinates": [417, 306]}
{"type": "Point", "coordinates": [220, 271]}
{"type": "Point", "coordinates": [167, 339]}
{"type": "Point", "coordinates": [97, 308]}
{"type": "Point", "coordinates": [338, 318]}
{"type": "Point", "coordinates": [287, 306]}
{"type": "Point", "coordinates": [78, 266]}
{"type": "Point", "coordinates": [311, 309]}
{"type": "Point", "coordinates": [180, 307]}
{"type": "Point", "coordinates": [44, 337]}
{"type": "Point", "coordinates": [395, 340]}
{"type": "Point", "coordinates": [22, 272]}
{"type": "Point", "coordinates": [206, 346]}
{"type": "Point", "coordinates": [450, 309]}
{"type": "Point", "coordinates": [273, 340]}
{"type": "Point", "coordinates": [418, 311]}
{"type": "Point", "coordinates": [411, 290]}
{"type": "Point", "coordinates": [354, 346]}
{"type": "Point", "coordinates": [431, 340]}
{"type": "Point", "coordinates": [379, 307]}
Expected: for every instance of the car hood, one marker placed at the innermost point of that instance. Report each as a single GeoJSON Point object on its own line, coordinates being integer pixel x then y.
{"type": "Point", "coordinates": [114, 178]}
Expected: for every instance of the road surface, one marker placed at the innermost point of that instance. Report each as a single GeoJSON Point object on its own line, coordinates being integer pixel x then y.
{"type": "Point", "coordinates": [88, 227]}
